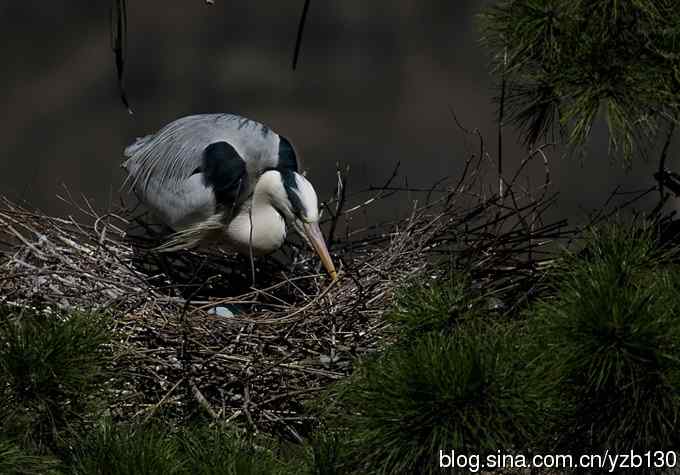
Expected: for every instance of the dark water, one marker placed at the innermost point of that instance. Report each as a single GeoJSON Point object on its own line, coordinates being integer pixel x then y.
{"type": "Point", "coordinates": [373, 88]}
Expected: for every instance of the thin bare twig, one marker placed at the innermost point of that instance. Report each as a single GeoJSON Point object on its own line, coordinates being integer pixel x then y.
{"type": "Point", "coordinates": [300, 31]}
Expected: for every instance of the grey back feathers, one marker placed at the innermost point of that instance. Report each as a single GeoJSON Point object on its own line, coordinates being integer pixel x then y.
{"type": "Point", "coordinates": [171, 155]}
{"type": "Point", "coordinates": [231, 152]}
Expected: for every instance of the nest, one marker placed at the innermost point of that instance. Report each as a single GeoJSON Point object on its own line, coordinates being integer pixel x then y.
{"type": "Point", "coordinates": [296, 332]}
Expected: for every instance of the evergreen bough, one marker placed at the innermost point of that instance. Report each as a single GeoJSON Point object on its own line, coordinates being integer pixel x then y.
{"type": "Point", "coordinates": [51, 369]}
{"type": "Point", "coordinates": [462, 391]}
{"type": "Point", "coordinates": [17, 461]}
{"type": "Point", "coordinates": [608, 344]}
{"type": "Point", "coordinates": [151, 449]}
{"type": "Point", "coordinates": [435, 305]}
{"type": "Point", "coordinates": [569, 62]}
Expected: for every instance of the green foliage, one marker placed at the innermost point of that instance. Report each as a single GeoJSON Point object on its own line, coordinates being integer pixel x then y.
{"type": "Point", "coordinates": [192, 450]}
{"type": "Point", "coordinates": [16, 461]}
{"type": "Point", "coordinates": [462, 391]}
{"type": "Point", "coordinates": [608, 344]}
{"type": "Point", "coordinates": [221, 452]}
{"type": "Point", "coordinates": [570, 60]}
{"type": "Point", "coordinates": [326, 454]}
{"type": "Point", "coordinates": [594, 365]}
{"type": "Point", "coordinates": [50, 370]}
{"type": "Point", "coordinates": [435, 306]}
{"type": "Point", "coordinates": [113, 450]}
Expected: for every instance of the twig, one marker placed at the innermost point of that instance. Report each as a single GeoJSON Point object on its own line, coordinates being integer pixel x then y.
{"type": "Point", "coordinates": [660, 175]}
{"type": "Point", "coordinates": [341, 197]}
{"type": "Point", "coordinates": [202, 401]}
{"type": "Point", "coordinates": [300, 31]}
{"type": "Point", "coordinates": [501, 118]}
{"type": "Point", "coordinates": [155, 407]}
{"type": "Point", "coordinates": [119, 44]}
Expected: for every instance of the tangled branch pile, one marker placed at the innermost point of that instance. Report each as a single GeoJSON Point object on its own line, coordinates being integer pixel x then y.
{"type": "Point", "coordinates": [295, 331]}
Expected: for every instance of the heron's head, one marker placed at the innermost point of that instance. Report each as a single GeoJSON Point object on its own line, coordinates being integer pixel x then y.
{"type": "Point", "coordinates": [295, 198]}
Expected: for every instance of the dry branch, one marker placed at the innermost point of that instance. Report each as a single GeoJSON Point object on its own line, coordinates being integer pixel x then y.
{"type": "Point", "coordinates": [296, 332]}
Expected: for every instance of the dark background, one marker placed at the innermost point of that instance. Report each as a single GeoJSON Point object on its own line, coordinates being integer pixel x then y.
{"type": "Point", "coordinates": [373, 87]}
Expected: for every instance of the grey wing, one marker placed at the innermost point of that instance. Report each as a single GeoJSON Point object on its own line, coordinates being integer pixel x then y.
{"type": "Point", "coordinates": [216, 188]}
{"type": "Point", "coordinates": [176, 151]}
{"type": "Point", "coordinates": [199, 164]}
{"type": "Point", "coordinates": [194, 168]}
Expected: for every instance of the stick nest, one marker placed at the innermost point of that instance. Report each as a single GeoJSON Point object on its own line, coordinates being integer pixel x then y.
{"type": "Point", "coordinates": [295, 331]}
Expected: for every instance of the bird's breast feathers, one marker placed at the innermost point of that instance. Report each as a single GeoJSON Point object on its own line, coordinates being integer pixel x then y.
{"type": "Point", "coordinates": [266, 235]}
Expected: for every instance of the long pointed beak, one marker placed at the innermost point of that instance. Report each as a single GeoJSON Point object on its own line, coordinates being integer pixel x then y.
{"type": "Point", "coordinates": [319, 244]}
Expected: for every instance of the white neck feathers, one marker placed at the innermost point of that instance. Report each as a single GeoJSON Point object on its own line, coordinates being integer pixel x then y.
{"type": "Point", "coordinates": [258, 225]}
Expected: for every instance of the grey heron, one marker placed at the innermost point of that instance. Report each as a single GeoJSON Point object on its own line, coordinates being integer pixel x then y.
{"type": "Point", "coordinates": [225, 177]}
